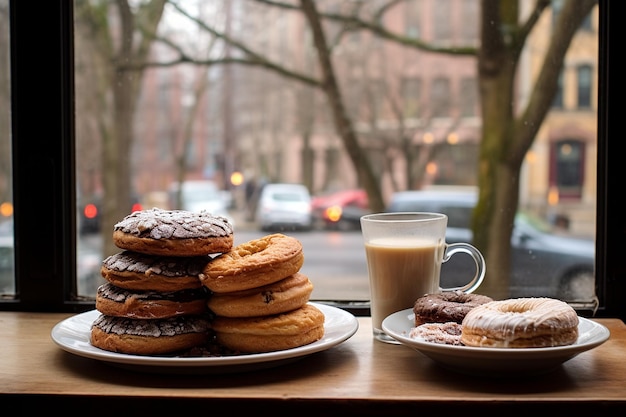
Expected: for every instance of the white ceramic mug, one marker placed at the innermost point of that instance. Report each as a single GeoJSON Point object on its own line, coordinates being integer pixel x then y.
{"type": "Point", "coordinates": [404, 255]}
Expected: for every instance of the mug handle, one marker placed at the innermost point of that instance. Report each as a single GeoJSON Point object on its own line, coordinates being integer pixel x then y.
{"type": "Point", "coordinates": [479, 261]}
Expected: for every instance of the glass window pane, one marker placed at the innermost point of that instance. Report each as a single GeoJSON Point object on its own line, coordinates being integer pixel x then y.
{"type": "Point", "coordinates": [401, 117]}
{"type": "Point", "coordinates": [7, 275]}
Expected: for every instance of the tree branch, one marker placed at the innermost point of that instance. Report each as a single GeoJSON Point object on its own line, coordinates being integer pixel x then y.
{"type": "Point", "coordinates": [253, 58]}
{"type": "Point", "coordinates": [354, 23]}
{"type": "Point", "coordinates": [529, 122]}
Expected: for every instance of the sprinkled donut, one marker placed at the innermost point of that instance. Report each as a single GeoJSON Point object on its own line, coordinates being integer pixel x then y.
{"type": "Point", "coordinates": [521, 323]}
{"type": "Point", "coordinates": [447, 306]}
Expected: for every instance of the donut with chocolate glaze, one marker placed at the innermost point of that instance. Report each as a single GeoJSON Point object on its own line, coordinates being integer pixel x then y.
{"type": "Point", "coordinates": [173, 233]}
{"type": "Point", "coordinates": [138, 271]}
{"type": "Point", "coordinates": [447, 306]}
{"type": "Point", "coordinates": [118, 302]}
{"type": "Point", "coordinates": [285, 295]}
{"type": "Point", "coordinates": [253, 264]}
{"type": "Point", "coordinates": [149, 337]}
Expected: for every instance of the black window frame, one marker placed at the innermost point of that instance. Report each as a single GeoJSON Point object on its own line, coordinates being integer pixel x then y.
{"type": "Point", "coordinates": [43, 154]}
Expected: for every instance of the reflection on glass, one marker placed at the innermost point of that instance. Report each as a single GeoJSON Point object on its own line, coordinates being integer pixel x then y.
{"type": "Point", "coordinates": [271, 94]}
{"type": "Point", "coordinates": [7, 274]}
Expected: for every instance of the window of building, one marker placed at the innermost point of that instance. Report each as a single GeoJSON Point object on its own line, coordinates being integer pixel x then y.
{"type": "Point", "coordinates": [468, 97]}
{"type": "Point", "coordinates": [440, 97]}
{"type": "Point", "coordinates": [584, 77]}
{"type": "Point", "coordinates": [557, 102]}
{"type": "Point", "coordinates": [442, 22]}
{"type": "Point", "coordinates": [411, 97]}
{"type": "Point", "coordinates": [568, 163]}
{"type": "Point", "coordinates": [413, 16]}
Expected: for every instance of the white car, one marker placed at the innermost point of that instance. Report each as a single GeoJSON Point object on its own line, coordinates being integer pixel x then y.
{"type": "Point", "coordinates": [202, 195]}
{"type": "Point", "coordinates": [284, 206]}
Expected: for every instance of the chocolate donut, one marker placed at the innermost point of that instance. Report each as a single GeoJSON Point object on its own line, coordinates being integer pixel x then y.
{"type": "Point", "coordinates": [137, 271]}
{"type": "Point", "coordinates": [173, 233]}
{"type": "Point", "coordinates": [447, 306]}
{"type": "Point", "coordinates": [118, 302]}
{"type": "Point", "coordinates": [149, 337]}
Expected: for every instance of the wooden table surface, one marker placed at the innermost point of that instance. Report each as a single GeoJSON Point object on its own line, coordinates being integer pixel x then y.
{"type": "Point", "coordinates": [360, 376]}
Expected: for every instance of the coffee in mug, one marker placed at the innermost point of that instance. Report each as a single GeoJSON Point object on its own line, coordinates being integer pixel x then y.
{"type": "Point", "coordinates": [404, 254]}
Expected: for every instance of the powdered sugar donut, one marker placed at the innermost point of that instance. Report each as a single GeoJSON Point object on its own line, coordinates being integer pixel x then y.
{"type": "Point", "coordinates": [521, 323]}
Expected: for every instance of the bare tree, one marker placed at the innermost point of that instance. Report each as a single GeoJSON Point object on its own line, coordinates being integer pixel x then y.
{"type": "Point", "coordinates": [118, 87]}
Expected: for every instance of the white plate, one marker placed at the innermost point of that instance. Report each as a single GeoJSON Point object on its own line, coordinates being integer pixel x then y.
{"type": "Point", "coordinates": [495, 361]}
{"type": "Point", "coordinates": [72, 335]}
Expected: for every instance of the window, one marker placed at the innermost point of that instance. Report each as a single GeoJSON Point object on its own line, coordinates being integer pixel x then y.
{"type": "Point", "coordinates": [568, 168]}
{"type": "Point", "coordinates": [440, 97]}
{"type": "Point", "coordinates": [45, 168]}
{"type": "Point", "coordinates": [442, 30]}
{"type": "Point", "coordinates": [557, 102]}
{"type": "Point", "coordinates": [7, 283]}
{"type": "Point", "coordinates": [468, 97]}
{"type": "Point", "coordinates": [411, 96]}
{"type": "Point", "coordinates": [584, 78]}
{"type": "Point", "coordinates": [413, 22]}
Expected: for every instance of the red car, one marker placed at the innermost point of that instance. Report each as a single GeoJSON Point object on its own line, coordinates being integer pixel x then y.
{"type": "Point", "coordinates": [341, 210]}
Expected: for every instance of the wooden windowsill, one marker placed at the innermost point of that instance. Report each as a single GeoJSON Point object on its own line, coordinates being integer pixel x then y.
{"type": "Point", "coordinates": [358, 376]}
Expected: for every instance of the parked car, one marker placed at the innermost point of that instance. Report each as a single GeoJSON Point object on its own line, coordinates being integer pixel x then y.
{"type": "Point", "coordinates": [543, 263]}
{"type": "Point", "coordinates": [198, 195]}
{"type": "Point", "coordinates": [340, 210]}
{"type": "Point", "coordinates": [284, 206]}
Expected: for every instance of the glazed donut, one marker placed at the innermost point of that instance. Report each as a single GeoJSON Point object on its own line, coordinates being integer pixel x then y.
{"type": "Point", "coordinates": [447, 306]}
{"type": "Point", "coordinates": [289, 330]}
{"type": "Point", "coordinates": [137, 271]}
{"type": "Point", "coordinates": [285, 295]}
{"type": "Point", "coordinates": [444, 333]}
{"type": "Point", "coordinates": [254, 264]}
{"type": "Point", "coordinates": [173, 233]}
{"type": "Point", "coordinates": [521, 323]}
{"type": "Point", "coordinates": [118, 302]}
{"type": "Point", "coordinates": [149, 337]}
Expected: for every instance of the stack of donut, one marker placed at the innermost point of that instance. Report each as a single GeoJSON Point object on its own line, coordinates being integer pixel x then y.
{"type": "Point", "coordinates": [259, 297]}
{"type": "Point", "coordinates": [475, 320]}
{"type": "Point", "coordinates": [153, 301]}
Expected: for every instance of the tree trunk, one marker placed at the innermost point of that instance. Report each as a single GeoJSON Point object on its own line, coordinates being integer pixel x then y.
{"type": "Point", "coordinates": [341, 119]}
{"type": "Point", "coordinates": [125, 84]}
{"type": "Point", "coordinates": [506, 136]}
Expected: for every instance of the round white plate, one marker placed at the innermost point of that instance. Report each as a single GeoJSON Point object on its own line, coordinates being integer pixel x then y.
{"type": "Point", "coordinates": [495, 361]}
{"type": "Point", "coordinates": [73, 333]}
